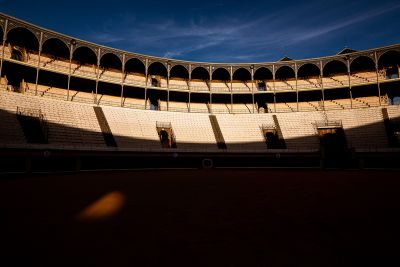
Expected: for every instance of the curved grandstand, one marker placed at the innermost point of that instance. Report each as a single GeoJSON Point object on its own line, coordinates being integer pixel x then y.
{"type": "Point", "coordinates": [87, 103]}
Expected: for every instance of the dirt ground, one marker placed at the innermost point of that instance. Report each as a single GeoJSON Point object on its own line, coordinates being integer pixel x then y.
{"type": "Point", "coordinates": [201, 218]}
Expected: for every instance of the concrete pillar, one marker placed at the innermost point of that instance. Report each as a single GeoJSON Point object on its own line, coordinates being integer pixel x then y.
{"type": "Point", "coordinates": [71, 52]}
{"type": "Point", "coordinates": [38, 64]}
{"type": "Point", "coordinates": [122, 80]}
{"type": "Point", "coordinates": [4, 43]}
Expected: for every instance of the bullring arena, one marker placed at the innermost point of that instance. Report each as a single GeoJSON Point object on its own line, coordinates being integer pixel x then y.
{"type": "Point", "coordinates": [112, 158]}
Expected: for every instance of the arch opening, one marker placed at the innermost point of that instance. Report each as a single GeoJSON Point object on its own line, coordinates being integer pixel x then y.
{"type": "Point", "coordinates": [221, 74]}
{"type": "Point", "coordinates": [179, 71]}
{"type": "Point", "coordinates": [285, 73]}
{"type": "Point", "coordinates": [200, 73]}
{"type": "Point", "coordinates": [157, 74]}
{"type": "Point", "coordinates": [263, 74]}
{"type": "Point", "coordinates": [334, 67]}
{"type": "Point", "coordinates": [84, 56]}
{"type": "Point", "coordinates": [242, 74]}
{"type": "Point", "coordinates": [56, 49]}
{"type": "Point", "coordinates": [23, 38]}
{"type": "Point", "coordinates": [157, 69]}
{"type": "Point", "coordinates": [389, 63]}
{"type": "Point", "coordinates": [362, 64]}
{"type": "Point", "coordinates": [111, 61]}
{"type": "Point", "coordinates": [308, 70]}
{"type": "Point", "coordinates": [135, 65]}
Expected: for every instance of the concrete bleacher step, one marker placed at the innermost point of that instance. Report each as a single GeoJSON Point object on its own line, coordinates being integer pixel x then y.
{"type": "Point", "coordinates": [217, 132]}
{"type": "Point", "coordinates": [105, 128]}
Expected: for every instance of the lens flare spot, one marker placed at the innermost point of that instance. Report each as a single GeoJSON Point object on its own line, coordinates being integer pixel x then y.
{"type": "Point", "coordinates": [106, 207]}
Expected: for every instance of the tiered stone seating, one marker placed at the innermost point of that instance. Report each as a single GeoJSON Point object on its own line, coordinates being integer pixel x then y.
{"type": "Point", "coordinates": [198, 107]}
{"type": "Point", "coordinates": [283, 107]}
{"type": "Point", "coordinates": [197, 85]}
{"type": "Point", "coordinates": [242, 108]}
{"type": "Point", "coordinates": [111, 75]}
{"type": "Point", "coordinates": [292, 105]}
{"type": "Point", "coordinates": [298, 130]}
{"type": "Point", "coordinates": [336, 81]}
{"type": "Point", "coordinates": [137, 129]}
{"type": "Point", "coordinates": [89, 71]}
{"type": "Point", "coordinates": [109, 100]}
{"type": "Point", "coordinates": [178, 84]}
{"type": "Point", "coordinates": [81, 97]}
{"type": "Point", "coordinates": [241, 87]}
{"type": "Point", "coordinates": [244, 132]}
{"type": "Point", "coordinates": [307, 106]}
{"type": "Point", "coordinates": [163, 82]}
{"type": "Point", "coordinates": [221, 108]}
{"type": "Point", "coordinates": [61, 94]}
{"type": "Point", "coordinates": [220, 86]}
{"type": "Point", "coordinates": [135, 79]}
{"type": "Point", "coordinates": [332, 105]}
{"type": "Point", "coordinates": [364, 128]}
{"type": "Point", "coordinates": [178, 106]}
{"type": "Point", "coordinates": [7, 52]}
{"type": "Point", "coordinates": [11, 132]}
{"type": "Point", "coordinates": [76, 124]}
{"type": "Point", "coordinates": [84, 70]}
{"type": "Point", "coordinates": [3, 82]}
{"type": "Point", "coordinates": [344, 103]}
{"type": "Point", "coordinates": [363, 77]}
{"type": "Point", "coordinates": [317, 105]}
{"type": "Point", "coordinates": [358, 103]}
{"type": "Point", "coordinates": [309, 83]}
{"type": "Point", "coordinates": [70, 124]}
{"type": "Point", "coordinates": [45, 91]}
{"type": "Point", "coordinates": [134, 103]}
{"type": "Point", "coordinates": [284, 86]}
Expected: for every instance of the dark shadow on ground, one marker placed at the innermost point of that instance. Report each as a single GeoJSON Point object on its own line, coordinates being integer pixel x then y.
{"type": "Point", "coordinates": [203, 218]}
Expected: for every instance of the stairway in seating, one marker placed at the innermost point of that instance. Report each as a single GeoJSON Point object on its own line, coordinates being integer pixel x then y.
{"type": "Point", "coordinates": [105, 128]}
{"type": "Point", "coordinates": [217, 132]}
{"type": "Point", "coordinates": [282, 142]}
{"type": "Point", "coordinates": [33, 127]}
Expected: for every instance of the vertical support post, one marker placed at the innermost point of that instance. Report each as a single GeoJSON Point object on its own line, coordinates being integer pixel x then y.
{"type": "Point", "coordinates": [398, 71]}
{"type": "Point", "coordinates": [297, 90]}
{"type": "Point", "coordinates": [273, 81]}
{"type": "Point", "coordinates": [98, 74]}
{"type": "Point", "coordinates": [190, 84]}
{"type": "Point", "coordinates": [252, 86]}
{"type": "Point", "coordinates": [322, 84]}
{"type": "Point", "coordinates": [168, 76]}
{"type": "Point", "coordinates": [71, 53]}
{"type": "Point", "coordinates": [38, 64]}
{"type": "Point", "coordinates": [348, 74]}
{"type": "Point", "coordinates": [2, 48]}
{"type": "Point", "coordinates": [377, 78]}
{"type": "Point", "coordinates": [210, 72]}
{"type": "Point", "coordinates": [146, 70]}
{"type": "Point", "coordinates": [123, 79]}
{"type": "Point", "coordinates": [231, 73]}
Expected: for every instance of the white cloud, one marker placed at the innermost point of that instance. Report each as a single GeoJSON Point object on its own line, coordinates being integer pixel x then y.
{"type": "Point", "coordinates": [240, 38]}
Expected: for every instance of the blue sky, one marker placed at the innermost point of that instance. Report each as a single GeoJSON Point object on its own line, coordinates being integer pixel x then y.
{"type": "Point", "coordinates": [220, 31]}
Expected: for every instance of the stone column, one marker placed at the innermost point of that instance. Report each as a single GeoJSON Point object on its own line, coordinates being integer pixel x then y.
{"type": "Point", "coordinates": [123, 80]}
{"type": "Point", "coordinates": [377, 78]}
{"type": "Point", "coordinates": [4, 43]}
{"type": "Point", "coordinates": [38, 64]}
{"type": "Point", "coordinates": [322, 84]}
{"type": "Point", "coordinates": [71, 53]}
{"type": "Point", "coordinates": [97, 74]}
